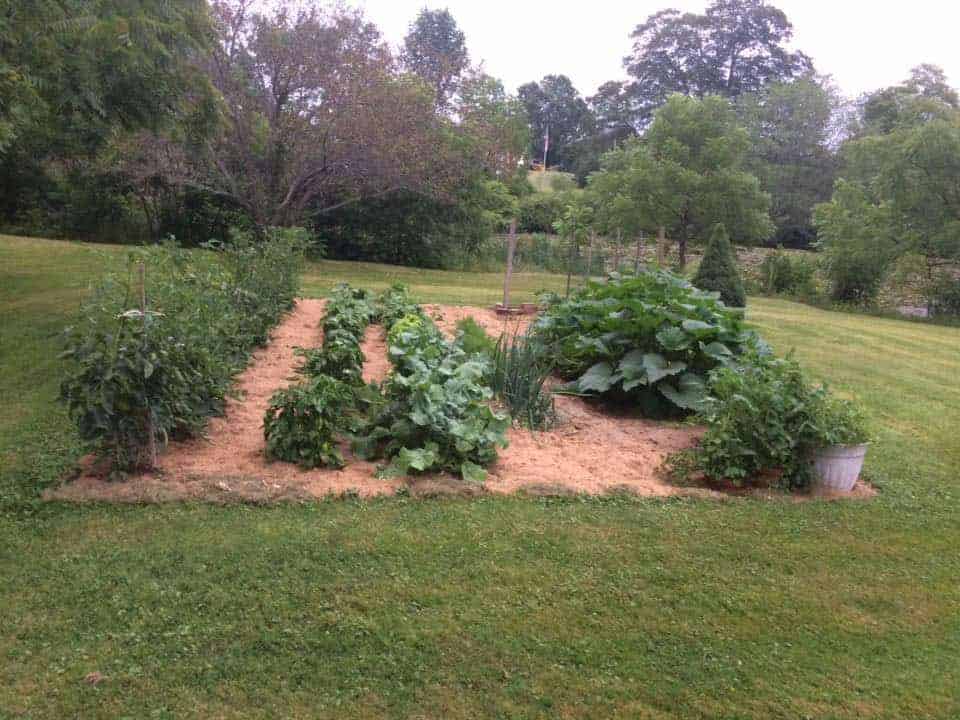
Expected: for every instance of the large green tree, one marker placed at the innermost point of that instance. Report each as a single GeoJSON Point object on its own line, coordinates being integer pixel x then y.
{"type": "Point", "coordinates": [792, 126]}
{"type": "Point", "coordinates": [558, 116]}
{"type": "Point", "coordinates": [924, 96]}
{"type": "Point", "coordinates": [735, 47]}
{"type": "Point", "coordinates": [900, 193]}
{"type": "Point", "coordinates": [687, 173]}
{"type": "Point", "coordinates": [435, 49]}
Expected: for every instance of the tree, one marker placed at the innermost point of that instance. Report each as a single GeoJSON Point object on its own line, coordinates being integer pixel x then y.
{"type": "Point", "coordinates": [495, 122]}
{"type": "Point", "coordinates": [718, 269]}
{"type": "Point", "coordinates": [791, 128]}
{"type": "Point", "coordinates": [557, 114]}
{"type": "Point", "coordinates": [687, 174]}
{"type": "Point", "coordinates": [435, 49]}
{"type": "Point", "coordinates": [899, 194]}
{"type": "Point", "coordinates": [737, 46]}
{"type": "Point", "coordinates": [924, 96]}
{"type": "Point", "coordinates": [315, 116]}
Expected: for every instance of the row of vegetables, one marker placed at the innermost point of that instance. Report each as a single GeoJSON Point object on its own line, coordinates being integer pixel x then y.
{"type": "Point", "coordinates": [432, 413]}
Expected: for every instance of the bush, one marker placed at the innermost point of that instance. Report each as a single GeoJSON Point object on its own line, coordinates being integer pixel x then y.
{"type": "Point", "coordinates": [764, 416]}
{"type": "Point", "coordinates": [943, 295]}
{"type": "Point", "coordinates": [303, 422]}
{"type": "Point", "coordinates": [781, 274]}
{"type": "Point", "coordinates": [133, 380]}
{"type": "Point", "coordinates": [539, 211]}
{"type": "Point", "coordinates": [855, 271]}
{"type": "Point", "coordinates": [718, 270]}
{"type": "Point", "coordinates": [649, 339]}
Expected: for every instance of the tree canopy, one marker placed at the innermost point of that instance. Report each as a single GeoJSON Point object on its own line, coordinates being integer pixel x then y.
{"type": "Point", "coordinates": [687, 174]}
{"type": "Point", "coordinates": [436, 50]}
{"type": "Point", "coordinates": [735, 47]}
{"type": "Point", "coordinates": [558, 117]}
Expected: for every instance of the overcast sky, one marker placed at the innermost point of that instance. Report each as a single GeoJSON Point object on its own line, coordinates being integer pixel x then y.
{"type": "Point", "coordinates": [863, 44]}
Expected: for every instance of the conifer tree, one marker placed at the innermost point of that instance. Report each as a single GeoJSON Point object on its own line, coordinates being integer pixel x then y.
{"type": "Point", "coordinates": [718, 269]}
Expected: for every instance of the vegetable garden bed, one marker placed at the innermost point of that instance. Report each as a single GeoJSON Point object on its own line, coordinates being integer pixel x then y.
{"type": "Point", "coordinates": [589, 451]}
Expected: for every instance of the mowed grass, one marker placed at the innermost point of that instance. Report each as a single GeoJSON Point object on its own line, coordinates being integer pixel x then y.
{"type": "Point", "coordinates": [498, 607]}
{"type": "Point", "coordinates": [437, 286]}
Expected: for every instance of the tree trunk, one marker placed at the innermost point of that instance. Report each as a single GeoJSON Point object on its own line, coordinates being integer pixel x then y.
{"type": "Point", "coordinates": [511, 249]}
{"type": "Point", "coordinates": [616, 255]}
{"type": "Point", "coordinates": [661, 246]}
{"type": "Point", "coordinates": [636, 260]}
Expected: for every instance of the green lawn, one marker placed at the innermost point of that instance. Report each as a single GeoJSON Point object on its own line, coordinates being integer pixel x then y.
{"type": "Point", "coordinates": [498, 607]}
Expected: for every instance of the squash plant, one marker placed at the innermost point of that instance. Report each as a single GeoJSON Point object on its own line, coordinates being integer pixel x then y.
{"type": "Point", "coordinates": [650, 339]}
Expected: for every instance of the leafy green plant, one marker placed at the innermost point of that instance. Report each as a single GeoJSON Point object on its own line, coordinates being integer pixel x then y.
{"type": "Point", "coordinates": [435, 413]}
{"type": "Point", "coordinates": [473, 338]}
{"type": "Point", "coordinates": [838, 422]}
{"type": "Point", "coordinates": [718, 270]}
{"type": "Point", "coordinates": [134, 379]}
{"type": "Point", "coordinates": [520, 374]}
{"type": "Point", "coordinates": [779, 273]}
{"type": "Point", "coordinates": [763, 415]}
{"type": "Point", "coordinates": [648, 339]}
{"type": "Point", "coordinates": [303, 422]}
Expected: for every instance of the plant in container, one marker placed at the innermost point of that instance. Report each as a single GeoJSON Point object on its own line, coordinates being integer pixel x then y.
{"type": "Point", "coordinates": [842, 440]}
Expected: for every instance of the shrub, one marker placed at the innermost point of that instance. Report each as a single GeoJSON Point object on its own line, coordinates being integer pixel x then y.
{"type": "Point", "coordinates": [943, 295]}
{"type": "Point", "coordinates": [781, 274]}
{"type": "Point", "coordinates": [303, 422]}
{"type": "Point", "coordinates": [855, 271]}
{"type": "Point", "coordinates": [763, 416]}
{"type": "Point", "coordinates": [649, 339]}
{"type": "Point", "coordinates": [539, 211]}
{"type": "Point", "coordinates": [133, 380]}
{"type": "Point", "coordinates": [718, 270]}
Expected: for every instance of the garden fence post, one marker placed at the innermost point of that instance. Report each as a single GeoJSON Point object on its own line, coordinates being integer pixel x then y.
{"type": "Point", "coordinates": [636, 261]}
{"type": "Point", "coordinates": [511, 249]}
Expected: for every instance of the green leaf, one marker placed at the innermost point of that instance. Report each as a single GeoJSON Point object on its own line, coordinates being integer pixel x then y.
{"type": "Point", "coordinates": [472, 472]}
{"type": "Point", "coordinates": [689, 394]}
{"type": "Point", "coordinates": [420, 459]}
{"type": "Point", "coordinates": [658, 367]}
{"type": "Point", "coordinates": [698, 328]}
{"type": "Point", "coordinates": [717, 350]}
{"type": "Point", "coordinates": [598, 378]}
{"type": "Point", "coordinates": [673, 339]}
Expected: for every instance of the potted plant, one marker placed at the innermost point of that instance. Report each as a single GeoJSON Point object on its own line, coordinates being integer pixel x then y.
{"type": "Point", "coordinates": [841, 442]}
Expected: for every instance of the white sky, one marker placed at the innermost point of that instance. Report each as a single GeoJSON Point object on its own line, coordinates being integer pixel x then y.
{"type": "Point", "coordinates": [863, 44]}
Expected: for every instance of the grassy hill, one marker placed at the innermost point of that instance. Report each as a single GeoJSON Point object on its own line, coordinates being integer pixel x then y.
{"type": "Point", "coordinates": [497, 607]}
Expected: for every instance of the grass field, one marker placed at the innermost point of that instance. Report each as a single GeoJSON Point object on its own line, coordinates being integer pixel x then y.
{"type": "Point", "coordinates": [499, 607]}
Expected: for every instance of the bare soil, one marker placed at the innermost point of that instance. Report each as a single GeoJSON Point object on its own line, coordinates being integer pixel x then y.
{"type": "Point", "coordinates": [589, 451]}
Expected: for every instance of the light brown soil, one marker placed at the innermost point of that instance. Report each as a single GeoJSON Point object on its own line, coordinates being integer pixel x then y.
{"type": "Point", "coordinates": [590, 451]}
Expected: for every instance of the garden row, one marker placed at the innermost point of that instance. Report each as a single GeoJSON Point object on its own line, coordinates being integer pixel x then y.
{"type": "Point", "coordinates": [432, 413]}
{"type": "Point", "coordinates": [154, 350]}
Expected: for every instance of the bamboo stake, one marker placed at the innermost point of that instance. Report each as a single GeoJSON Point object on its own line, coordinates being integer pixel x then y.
{"type": "Point", "coordinates": [151, 435]}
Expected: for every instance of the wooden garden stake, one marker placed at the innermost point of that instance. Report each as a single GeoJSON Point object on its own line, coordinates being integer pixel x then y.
{"type": "Point", "coordinates": [661, 245]}
{"type": "Point", "coordinates": [636, 261]}
{"type": "Point", "coordinates": [151, 435]}
{"type": "Point", "coordinates": [511, 249]}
